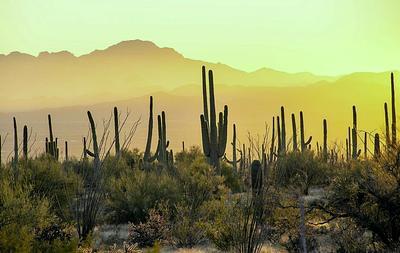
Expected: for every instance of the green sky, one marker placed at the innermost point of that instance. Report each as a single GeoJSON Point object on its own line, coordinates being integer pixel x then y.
{"type": "Point", "coordinates": [320, 36]}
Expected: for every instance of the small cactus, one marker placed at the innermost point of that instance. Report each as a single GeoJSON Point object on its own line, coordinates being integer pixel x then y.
{"type": "Point", "coordinates": [325, 145]}
{"type": "Point", "coordinates": [25, 143]}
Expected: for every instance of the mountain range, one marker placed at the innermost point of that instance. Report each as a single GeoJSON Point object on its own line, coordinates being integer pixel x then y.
{"type": "Point", "coordinates": [126, 74]}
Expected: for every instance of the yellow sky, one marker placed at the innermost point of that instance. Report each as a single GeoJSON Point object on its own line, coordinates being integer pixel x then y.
{"type": "Point", "coordinates": [321, 36]}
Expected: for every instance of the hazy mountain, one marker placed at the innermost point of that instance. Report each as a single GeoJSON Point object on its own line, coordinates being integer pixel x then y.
{"type": "Point", "coordinates": [125, 70]}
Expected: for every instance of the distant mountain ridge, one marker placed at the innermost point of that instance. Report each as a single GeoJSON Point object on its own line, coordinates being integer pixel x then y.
{"type": "Point", "coordinates": [121, 71]}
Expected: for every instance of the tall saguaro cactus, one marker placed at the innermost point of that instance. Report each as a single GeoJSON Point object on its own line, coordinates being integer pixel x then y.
{"type": "Point", "coordinates": [214, 137]}
{"type": "Point", "coordinates": [96, 152]}
{"type": "Point", "coordinates": [15, 158]}
{"type": "Point", "coordinates": [283, 130]}
{"type": "Point", "coordinates": [294, 132]}
{"type": "Point", "coordinates": [271, 151]}
{"type": "Point", "coordinates": [51, 147]}
{"type": "Point", "coordinates": [303, 142]}
{"type": "Point", "coordinates": [162, 152]}
{"type": "Point", "coordinates": [325, 145]}
{"type": "Point", "coordinates": [394, 141]}
{"type": "Point", "coordinates": [387, 134]}
{"type": "Point", "coordinates": [147, 158]}
{"type": "Point", "coordinates": [116, 131]}
{"type": "Point", "coordinates": [25, 143]}
{"type": "Point", "coordinates": [377, 149]}
{"type": "Point", "coordinates": [355, 151]}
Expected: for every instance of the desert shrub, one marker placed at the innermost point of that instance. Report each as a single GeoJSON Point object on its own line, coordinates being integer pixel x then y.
{"type": "Point", "coordinates": [368, 193]}
{"type": "Point", "coordinates": [136, 192]}
{"type": "Point", "coordinates": [154, 229]}
{"type": "Point", "coordinates": [55, 238]}
{"type": "Point", "coordinates": [21, 215]}
{"type": "Point", "coordinates": [48, 178]}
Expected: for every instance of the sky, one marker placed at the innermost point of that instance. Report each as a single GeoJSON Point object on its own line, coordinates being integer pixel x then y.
{"type": "Point", "coordinates": [329, 37]}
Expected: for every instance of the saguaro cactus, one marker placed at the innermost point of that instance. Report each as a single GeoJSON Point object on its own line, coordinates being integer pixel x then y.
{"type": "Point", "coordinates": [214, 138]}
{"type": "Point", "coordinates": [355, 151]}
{"type": "Point", "coordinates": [163, 143]}
{"type": "Point", "coordinates": [387, 134]}
{"type": "Point", "coordinates": [303, 142]}
{"type": "Point", "coordinates": [325, 144]}
{"type": "Point", "coordinates": [66, 151]}
{"type": "Point", "coordinates": [283, 130]}
{"type": "Point", "coordinates": [278, 124]}
{"type": "Point", "coordinates": [52, 144]}
{"type": "Point", "coordinates": [234, 161]}
{"type": "Point", "coordinates": [377, 150]}
{"type": "Point", "coordinates": [394, 141]}
{"type": "Point", "coordinates": [271, 151]}
{"type": "Point", "coordinates": [294, 133]}
{"type": "Point", "coordinates": [96, 152]}
{"type": "Point", "coordinates": [147, 158]}
{"type": "Point", "coordinates": [116, 131]}
{"type": "Point", "coordinates": [15, 158]}
{"type": "Point", "coordinates": [25, 143]}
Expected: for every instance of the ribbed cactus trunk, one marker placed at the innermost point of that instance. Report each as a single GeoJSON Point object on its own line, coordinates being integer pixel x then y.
{"type": "Point", "coordinates": [234, 156]}
{"type": "Point", "coordinates": [116, 132]}
{"type": "Point", "coordinates": [355, 152]}
{"type": "Point", "coordinates": [394, 127]}
{"type": "Point", "coordinates": [325, 144]}
{"type": "Point", "coordinates": [295, 148]}
{"type": "Point", "coordinates": [303, 142]}
{"type": "Point", "coordinates": [365, 146]}
{"type": "Point", "coordinates": [283, 130]}
{"type": "Point", "coordinates": [66, 151]}
{"type": "Point", "coordinates": [387, 134]}
{"type": "Point", "coordinates": [15, 158]}
{"type": "Point", "coordinates": [347, 150]}
{"type": "Point", "coordinates": [84, 148]}
{"type": "Point", "coordinates": [278, 125]}
{"type": "Point", "coordinates": [271, 150]}
{"type": "Point", "coordinates": [25, 143]}
{"type": "Point", "coordinates": [214, 135]}
{"type": "Point", "coordinates": [377, 149]}
{"type": "Point", "coordinates": [148, 158]}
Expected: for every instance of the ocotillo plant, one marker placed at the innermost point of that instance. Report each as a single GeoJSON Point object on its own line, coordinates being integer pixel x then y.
{"type": "Point", "coordinates": [325, 147]}
{"type": "Point", "coordinates": [355, 151]}
{"type": "Point", "coordinates": [214, 138]}
{"type": "Point", "coordinates": [25, 143]}
{"type": "Point", "coordinates": [295, 148]}
{"type": "Point", "coordinates": [116, 131]}
{"type": "Point", "coordinates": [15, 158]}
{"type": "Point", "coordinates": [303, 142]}
{"type": "Point", "coordinates": [283, 130]}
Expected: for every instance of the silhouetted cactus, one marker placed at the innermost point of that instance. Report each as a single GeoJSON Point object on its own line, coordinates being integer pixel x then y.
{"type": "Point", "coordinates": [355, 152]}
{"type": "Point", "coordinates": [303, 142]}
{"type": "Point", "coordinates": [163, 143]}
{"type": "Point", "coordinates": [96, 152]}
{"type": "Point", "coordinates": [283, 130]}
{"type": "Point", "coordinates": [377, 149]}
{"type": "Point", "coordinates": [234, 161]}
{"type": "Point", "coordinates": [325, 144]}
{"type": "Point", "coordinates": [148, 158]}
{"type": "Point", "coordinates": [84, 148]}
{"type": "Point", "coordinates": [271, 150]}
{"type": "Point", "coordinates": [365, 146]}
{"type": "Point", "coordinates": [51, 146]}
{"type": "Point", "coordinates": [387, 134]}
{"type": "Point", "coordinates": [278, 124]}
{"type": "Point", "coordinates": [214, 138]}
{"type": "Point", "coordinates": [256, 177]}
{"type": "Point", "coordinates": [15, 158]}
{"type": "Point", "coordinates": [25, 143]}
{"type": "Point", "coordinates": [116, 131]}
{"type": "Point", "coordinates": [66, 151]}
{"type": "Point", "coordinates": [394, 141]}
{"type": "Point", "coordinates": [295, 148]}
